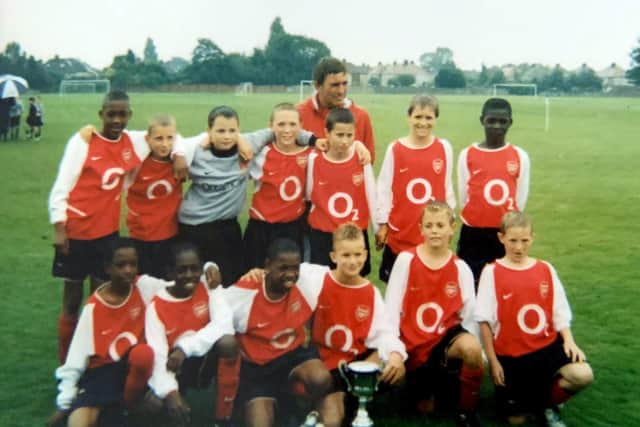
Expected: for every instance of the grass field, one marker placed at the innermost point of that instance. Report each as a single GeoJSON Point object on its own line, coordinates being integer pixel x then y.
{"type": "Point", "coordinates": [584, 198]}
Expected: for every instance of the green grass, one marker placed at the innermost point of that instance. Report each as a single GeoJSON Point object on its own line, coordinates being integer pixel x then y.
{"type": "Point", "coordinates": [585, 193]}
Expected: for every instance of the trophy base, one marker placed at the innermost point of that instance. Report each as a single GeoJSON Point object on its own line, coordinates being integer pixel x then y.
{"type": "Point", "coordinates": [362, 419]}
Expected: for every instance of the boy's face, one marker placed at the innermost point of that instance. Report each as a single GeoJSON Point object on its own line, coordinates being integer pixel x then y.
{"type": "Point", "coordinates": [160, 140]}
{"type": "Point", "coordinates": [282, 272]}
{"type": "Point", "coordinates": [333, 90]}
{"type": "Point", "coordinates": [123, 269]}
{"type": "Point", "coordinates": [187, 272]}
{"type": "Point", "coordinates": [496, 123]}
{"type": "Point", "coordinates": [436, 228]}
{"type": "Point", "coordinates": [340, 139]}
{"type": "Point", "coordinates": [224, 133]}
{"type": "Point", "coordinates": [285, 126]}
{"type": "Point", "coordinates": [349, 256]}
{"type": "Point", "coordinates": [422, 121]}
{"type": "Point", "coordinates": [516, 241]}
{"type": "Point", "coordinates": [115, 116]}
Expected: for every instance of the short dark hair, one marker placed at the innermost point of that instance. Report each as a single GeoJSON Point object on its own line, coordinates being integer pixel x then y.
{"type": "Point", "coordinates": [116, 245]}
{"type": "Point", "coordinates": [339, 115]}
{"type": "Point", "coordinates": [115, 95]}
{"type": "Point", "coordinates": [327, 65]}
{"type": "Point", "coordinates": [178, 249]}
{"type": "Point", "coordinates": [224, 111]}
{"type": "Point", "coordinates": [282, 246]}
{"type": "Point", "coordinates": [496, 104]}
{"type": "Point", "coordinates": [424, 101]}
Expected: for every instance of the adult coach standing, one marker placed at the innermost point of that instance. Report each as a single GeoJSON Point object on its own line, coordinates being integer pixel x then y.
{"type": "Point", "coordinates": [330, 82]}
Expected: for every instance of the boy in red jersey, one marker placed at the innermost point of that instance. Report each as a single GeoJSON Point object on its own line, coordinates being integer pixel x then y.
{"type": "Point", "coordinates": [416, 169]}
{"type": "Point", "coordinates": [269, 316]}
{"type": "Point", "coordinates": [108, 361]}
{"type": "Point", "coordinates": [339, 187]}
{"type": "Point", "coordinates": [153, 199]}
{"type": "Point", "coordinates": [525, 322]}
{"type": "Point", "coordinates": [430, 299]}
{"type": "Point", "coordinates": [493, 178]}
{"type": "Point", "coordinates": [280, 174]}
{"type": "Point", "coordinates": [190, 329]}
{"type": "Point", "coordinates": [84, 205]}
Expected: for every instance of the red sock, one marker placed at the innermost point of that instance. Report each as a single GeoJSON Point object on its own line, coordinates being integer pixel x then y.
{"type": "Point", "coordinates": [558, 394]}
{"type": "Point", "coordinates": [140, 367]}
{"type": "Point", "coordinates": [470, 381]}
{"type": "Point", "coordinates": [66, 327]}
{"type": "Point", "coordinates": [228, 377]}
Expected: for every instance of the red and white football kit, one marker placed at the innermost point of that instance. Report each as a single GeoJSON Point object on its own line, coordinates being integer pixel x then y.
{"type": "Point", "coordinates": [194, 324]}
{"type": "Point", "coordinates": [492, 182]}
{"type": "Point", "coordinates": [349, 320]}
{"type": "Point", "coordinates": [339, 192]}
{"type": "Point", "coordinates": [525, 308]}
{"type": "Point", "coordinates": [424, 303]}
{"type": "Point", "coordinates": [86, 194]}
{"type": "Point", "coordinates": [280, 183]}
{"type": "Point", "coordinates": [153, 199]}
{"type": "Point", "coordinates": [409, 178]}
{"type": "Point", "coordinates": [104, 334]}
{"type": "Point", "coordinates": [314, 118]}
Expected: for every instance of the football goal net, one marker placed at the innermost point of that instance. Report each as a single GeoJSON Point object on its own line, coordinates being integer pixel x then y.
{"type": "Point", "coordinates": [68, 87]}
{"type": "Point", "coordinates": [306, 88]}
{"type": "Point", "coordinates": [529, 89]}
{"type": "Point", "coordinates": [244, 88]}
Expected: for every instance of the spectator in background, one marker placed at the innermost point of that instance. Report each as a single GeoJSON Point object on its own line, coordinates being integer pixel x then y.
{"type": "Point", "coordinates": [15, 114]}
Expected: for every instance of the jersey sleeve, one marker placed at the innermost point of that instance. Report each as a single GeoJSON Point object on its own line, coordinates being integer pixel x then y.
{"type": "Point", "coordinates": [240, 301]}
{"type": "Point", "coordinates": [370, 191]}
{"type": "Point", "coordinates": [522, 190]}
{"type": "Point", "coordinates": [396, 289]}
{"type": "Point", "coordinates": [310, 281]}
{"type": "Point", "coordinates": [188, 146]}
{"type": "Point", "coordinates": [162, 381]}
{"type": "Point", "coordinates": [220, 324]}
{"type": "Point", "coordinates": [486, 309]}
{"type": "Point", "coordinates": [140, 145]}
{"type": "Point", "coordinates": [382, 336]}
{"type": "Point", "coordinates": [69, 171]}
{"type": "Point", "coordinates": [561, 310]}
{"type": "Point", "coordinates": [463, 177]}
{"type": "Point", "coordinates": [149, 286]}
{"type": "Point", "coordinates": [448, 181]}
{"type": "Point", "coordinates": [385, 180]}
{"type": "Point", "coordinates": [80, 350]}
{"type": "Point", "coordinates": [467, 288]}
{"type": "Point", "coordinates": [310, 164]}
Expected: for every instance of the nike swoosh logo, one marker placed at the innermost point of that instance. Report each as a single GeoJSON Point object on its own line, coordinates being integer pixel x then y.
{"type": "Point", "coordinates": [322, 307]}
{"type": "Point", "coordinates": [322, 182]}
{"type": "Point", "coordinates": [146, 178]}
{"type": "Point", "coordinates": [403, 170]}
{"type": "Point", "coordinates": [262, 324]}
{"type": "Point", "coordinates": [414, 288]}
{"type": "Point", "coordinates": [271, 173]}
{"type": "Point", "coordinates": [477, 171]}
{"type": "Point", "coordinates": [96, 157]}
{"type": "Point", "coordinates": [106, 332]}
{"type": "Point", "coordinates": [170, 331]}
{"type": "Point", "coordinates": [507, 296]}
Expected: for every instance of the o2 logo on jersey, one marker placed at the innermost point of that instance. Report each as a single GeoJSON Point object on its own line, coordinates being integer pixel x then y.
{"type": "Point", "coordinates": [348, 339]}
{"type": "Point", "coordinates": [434, 326]}
{"type": "Point", "coordinates": [121, 344]}
{"type": "Point", "coordinates": [297, 189]}
{"type": "Point", "coordinates": [524, 313]}
{"type": "Point", "coordinates": [489, 191]}
{"type": "Point", "coordinates": [111, 178]}
{"type": "Point", "coordinates": [426, 189]}
{"type": "Point", "coordinates": [348, 207]}
{"type": "Point", "coordinates": [162, 183]}
{"type": "Point", "coordinates": [283, 339]}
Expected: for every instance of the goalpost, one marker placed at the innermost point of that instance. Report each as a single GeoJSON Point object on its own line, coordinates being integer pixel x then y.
{"type": "Point", "coordinates": [84, 86]}
{"type": "Point", "coordinates": [244, 88]}
{"type": "Point", "coordinates": [519, 88]}
{"type": "Point", "coordinates": [304, 83]}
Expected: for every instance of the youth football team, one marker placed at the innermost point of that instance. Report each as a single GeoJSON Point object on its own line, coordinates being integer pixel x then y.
{"type": "Point", "coordinates": [170, 307]}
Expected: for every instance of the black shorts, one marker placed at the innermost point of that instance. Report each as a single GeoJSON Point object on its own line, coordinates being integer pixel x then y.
{"type": "Point", "coordinates": [478, 247]}
{"type": "Point", "coordinates": [321, 244]}
{"type": "Point", "coordinates": [219, 242]}
{"type": "Point", "coordinates": [197, 372]}
{"type": "Point", "coordinates": [85, 258]}
{"type": "Point", "coordinates": [529, 378]}
{"type": "Point", "coordinates": [153, 257]}
{"type": "Point", "coordinates": [386, 263]}
{"type": "Point", "coordinates": [260, 234]}
{"type": "Point", "coordinates": [271, 380]}
{"type": "Point", "coordinates": [14, 121]}
{"type": "Point", "coordinates": [102, 386]}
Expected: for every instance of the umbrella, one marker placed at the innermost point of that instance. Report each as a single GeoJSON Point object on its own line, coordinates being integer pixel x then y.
{"type": "Point", "coordinates": [11, 86]}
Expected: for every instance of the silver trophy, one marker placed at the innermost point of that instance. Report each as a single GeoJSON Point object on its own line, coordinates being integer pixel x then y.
{"type": "Point", "coordinates": [362, 381]}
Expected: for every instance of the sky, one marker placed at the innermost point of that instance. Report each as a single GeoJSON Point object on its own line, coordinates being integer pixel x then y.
{"type": "Point", "coordinates": [490, 32]}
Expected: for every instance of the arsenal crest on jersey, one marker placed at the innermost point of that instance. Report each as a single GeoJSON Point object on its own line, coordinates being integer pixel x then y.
{"type": "Point", "coordinates": [201, 309]}
{"type": "Point", "coordinates": [437, 165]}
{"type": "Point", "coordinates": [127, 155]}
{"type": "Point", "coordinates": [362, 312]}
{"type": "Point", "coordinates": [451, 289]}
{"type": "Point", "coordinates": [301, 160]}
{"type": "Point", "coordinates": [357, 178]}
{"type": "Point", "coordinates": [544, 289]}
{"type": "Point", "coordinates": [134, 312]}
{"type": "Point", "coordinates": [512, 167]}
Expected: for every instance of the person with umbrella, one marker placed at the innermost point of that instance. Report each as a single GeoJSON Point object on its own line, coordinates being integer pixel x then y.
{"type": "Point", "coordinates": [10, 88]}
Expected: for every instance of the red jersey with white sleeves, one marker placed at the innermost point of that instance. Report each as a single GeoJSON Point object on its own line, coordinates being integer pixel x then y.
{"type": "Point", "coordinates": [492, 182]}
{"type": "Point", "coordinates": [104, 334]}
{"type": "Point", "coordinates": [153, 200]}
{"type": "Point", "coordinates": [525, 308]}
{"type": "Point", "coordinates": [280, 183]}
{"type": "Point", "coordinates": [410, 177]}
{"type": "Point", "coordinates": [266, 329]}
{"type": "Point", "coordinates": [424, 303]}
{"type": "Point", "coordinates": [349, 320]}
{"type": "Point", "coordinates": [339, 192]}
{"type": "Point", "coordinates": [87, 192]}
{"type": "Point", "coordinates": [194, 324]}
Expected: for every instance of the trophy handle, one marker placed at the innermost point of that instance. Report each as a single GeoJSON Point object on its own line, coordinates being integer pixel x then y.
{"type": "Point", "coordinates": [343, 370]}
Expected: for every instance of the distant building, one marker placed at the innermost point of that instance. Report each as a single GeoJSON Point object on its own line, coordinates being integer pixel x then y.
{"type": "Point", "coordinates": [386, 72]}
{"type": "Point", "coordinates": [357, 74]}
{"type": "Point", "coordinates": [613, 76]}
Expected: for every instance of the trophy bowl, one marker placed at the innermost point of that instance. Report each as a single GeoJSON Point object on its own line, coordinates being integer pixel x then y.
{"type": "Point", "coordinates": [362, 381]}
